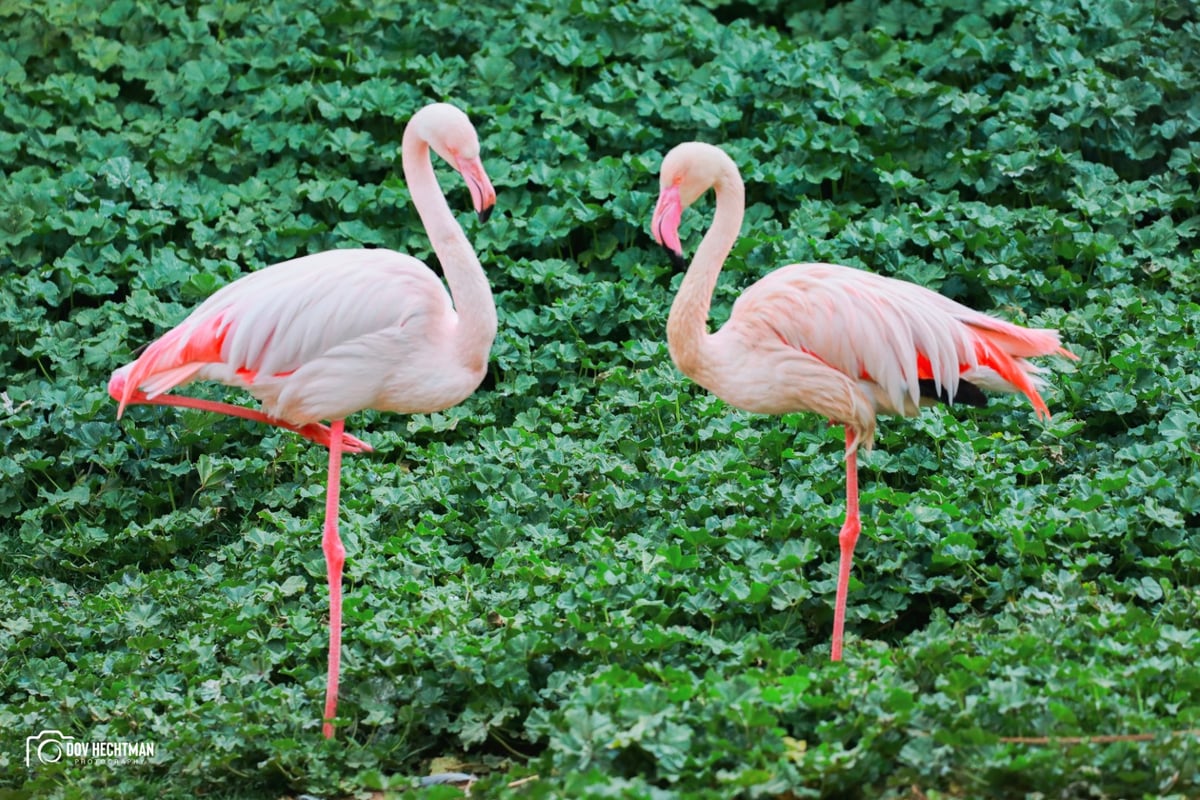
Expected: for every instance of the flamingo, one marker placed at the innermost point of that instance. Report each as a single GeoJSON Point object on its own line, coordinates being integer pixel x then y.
{"type": "Point", "coordinates": [326, 335]}
{"type": "Point", "coordinates": [836, 341]}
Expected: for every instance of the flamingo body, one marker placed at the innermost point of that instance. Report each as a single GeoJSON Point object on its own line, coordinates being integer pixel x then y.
{"type": "Point", "coordinates": [840, 342]}
{"type": "Point", "coordinates": [321, 337]}
{"type": "Point", "coordinates": [326, 335]}
{"type": "Point", "coordinates": [871, 339]}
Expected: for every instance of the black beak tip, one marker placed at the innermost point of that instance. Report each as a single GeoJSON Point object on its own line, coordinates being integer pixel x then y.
{"type": "Point", "coordinates": [485, 213]}
{"type": "Point", "coordinates": [677, 259]}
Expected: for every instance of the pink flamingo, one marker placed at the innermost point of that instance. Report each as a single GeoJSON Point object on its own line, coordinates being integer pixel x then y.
{"type": "Point", "coordinates": [323, 336]}
{"type": "Point", "coordinates": [833, 340]}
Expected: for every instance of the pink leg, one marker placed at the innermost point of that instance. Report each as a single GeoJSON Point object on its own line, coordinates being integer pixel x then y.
{"type": "Point", "coordinates": [335, 557]}
{"type": "Point", "coordinates": [846, 538]}
{"type": "Point", "coordinates": [313, 431]}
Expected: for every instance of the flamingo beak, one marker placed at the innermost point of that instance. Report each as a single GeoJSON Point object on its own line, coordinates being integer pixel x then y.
{"type": "Point", "coordinates": [664, 227]}
{"type": "Point", "coordinates": [483, 195]}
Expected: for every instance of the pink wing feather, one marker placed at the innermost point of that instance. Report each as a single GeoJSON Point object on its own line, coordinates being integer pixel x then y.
{"type": "Point", "coordinates": [264, 327]}
{"type": "Point", "coordinates": [894, 333]}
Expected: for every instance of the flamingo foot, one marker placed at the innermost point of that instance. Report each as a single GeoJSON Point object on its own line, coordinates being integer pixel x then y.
{"type": "Point", "coordinates": [313, 431]}
{"type": "Point", "coordinates": [320, 434]}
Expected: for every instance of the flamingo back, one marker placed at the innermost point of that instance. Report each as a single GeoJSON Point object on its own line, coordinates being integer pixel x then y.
{"type": "Point", "coordinates": [264, 328]}
{"type": "Point", "coordinates": [893, 334]}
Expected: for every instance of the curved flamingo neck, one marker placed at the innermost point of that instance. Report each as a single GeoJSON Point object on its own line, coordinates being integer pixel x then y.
{"type": "Point", "coordinates": [687, 324]}
{"type": "Point", "coordinates": [476, 310]}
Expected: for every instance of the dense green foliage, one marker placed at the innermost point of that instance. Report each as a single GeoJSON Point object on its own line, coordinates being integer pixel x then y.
{"type": "Point", "coordinates": [592, 570]}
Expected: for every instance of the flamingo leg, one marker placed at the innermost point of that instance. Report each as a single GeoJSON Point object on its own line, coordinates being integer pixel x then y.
{"type": "Point", "coordinates": [313, 431]}
{"type": "Point", "coordinates": [335, 557]}
{"type": "Point", "coordinates": [847, 538]}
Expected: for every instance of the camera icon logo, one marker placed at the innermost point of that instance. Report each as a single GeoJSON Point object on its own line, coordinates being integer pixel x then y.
{"type": "Point", "coordinates": [45, 748]}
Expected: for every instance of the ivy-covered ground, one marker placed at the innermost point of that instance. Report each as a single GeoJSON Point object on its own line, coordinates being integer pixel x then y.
{"type": "Point", "coordinates": [592, 571]}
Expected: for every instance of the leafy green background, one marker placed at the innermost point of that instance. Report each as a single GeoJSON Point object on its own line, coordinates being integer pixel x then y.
{"type": "Point", "coordinates": [593, 571]}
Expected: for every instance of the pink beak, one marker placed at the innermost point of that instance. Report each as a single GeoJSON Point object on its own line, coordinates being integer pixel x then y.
{"type": "Point", "coordinates": [483, 196]}
{"type": "Point", "coordinates": [665, 225]}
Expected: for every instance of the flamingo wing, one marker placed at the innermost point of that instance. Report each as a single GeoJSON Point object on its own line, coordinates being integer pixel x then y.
{"type": "Point", "coordinates": [896, 335]}
{"type": "Point", "coordinates": [267, 325]}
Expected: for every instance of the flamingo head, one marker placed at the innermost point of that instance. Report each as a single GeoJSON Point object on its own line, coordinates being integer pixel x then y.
{"type": "Point", "coordinates": [688, 171]}
{"type": "Point", "coordinates": [451, 135]}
